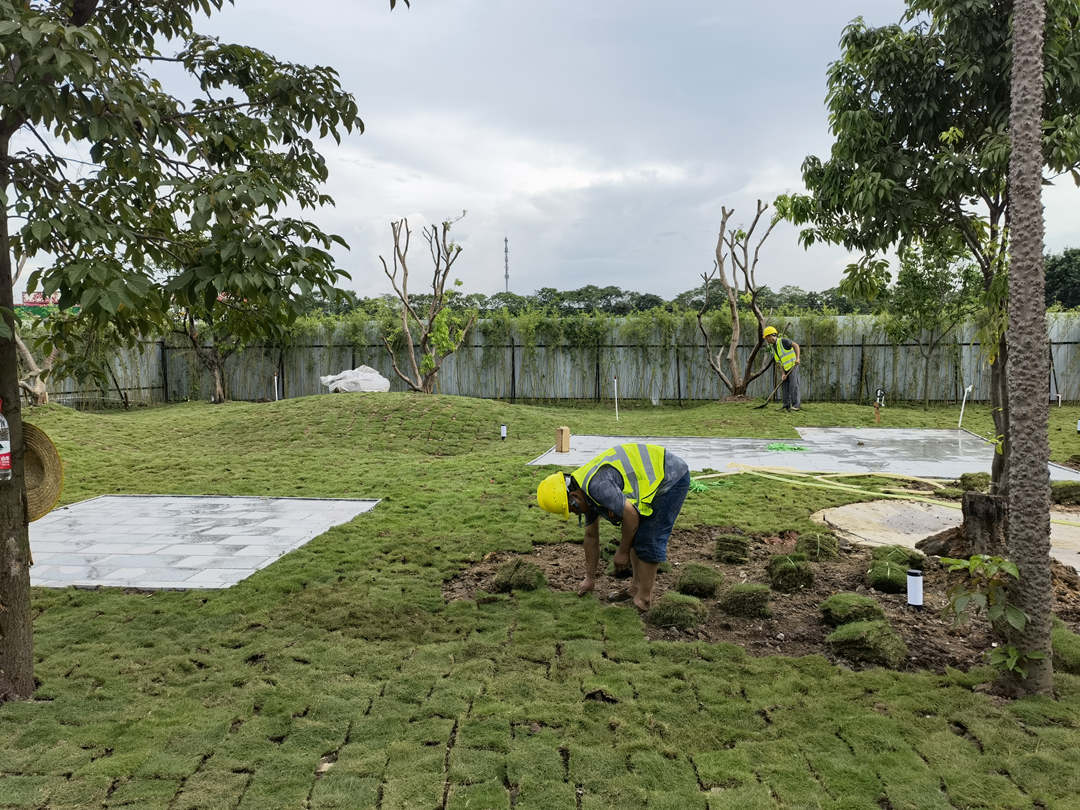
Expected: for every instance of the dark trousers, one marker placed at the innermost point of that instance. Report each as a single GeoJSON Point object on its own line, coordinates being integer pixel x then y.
{"type": "Point", "coordinates": [791, 389]}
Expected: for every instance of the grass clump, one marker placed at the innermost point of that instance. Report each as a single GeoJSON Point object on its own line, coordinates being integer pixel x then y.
{"type": "Point", "coordinates": [818, 546]}
{"type": "Point", "coordinates": [1066, 648]}
{"type": "Point", "coordinates": [676, 610]}
{"type": "Point", "coordinates": [699, 580]}
{"type": "Point", "coordinates": [517, 575]}
{"type": "Point", "coordinates": [732, 548]}
{"type": "Point", "coordinates": [886, 576]}
{"type": "Point", "coordinates": [1066, 493]}
{"type": "Point", "coordinates": [873, 642]}
{"type": "Point", "coordinates": [900, 555]}
{"type": "Point", "coordinates": [974, 481]}
{"type": "Point", "coordinates": [845, 607]}
{"type": "Point", "coordinates": [748, 599]}
{"type": "Point", "coordinates": [790, 572]}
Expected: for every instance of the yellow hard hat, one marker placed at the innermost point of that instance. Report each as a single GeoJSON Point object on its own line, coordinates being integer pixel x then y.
{"type": "Point", "coordinates": [551, 495]}
{"type": "Point", "coordinates": [768, 330]}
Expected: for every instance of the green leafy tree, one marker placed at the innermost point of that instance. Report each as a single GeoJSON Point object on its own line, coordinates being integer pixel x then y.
{"type": "Point", "coordinates": [934, 293]}
{"type": "Point", "coordinates": [920, 116]}
{"type": "Point", "coordinates": [180, 200]}
{"type": "Point", "coordinates": [1063, 279]}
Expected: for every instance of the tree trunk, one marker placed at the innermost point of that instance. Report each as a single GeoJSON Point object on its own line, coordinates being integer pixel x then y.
{"type": "Point", "coordinates": [16, 633]}
{"type": "Point", "coordinates": [999, 410]}
{"type": "Point", "coordinates": [1028, 478]}
{"type": "Point", "coordinates": [926, 379]}
{"type": "Point", "coordinates": [984, 525]}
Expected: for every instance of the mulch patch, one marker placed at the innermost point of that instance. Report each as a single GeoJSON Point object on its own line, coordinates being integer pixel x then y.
{"type": "Point", "coordinates": [796, 627]}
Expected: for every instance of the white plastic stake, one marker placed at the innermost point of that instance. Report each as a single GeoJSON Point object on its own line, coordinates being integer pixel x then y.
{"type": "Point", "coordinates": [914, 588]}
{"type": "Point", "coordinates": [962, 404]}
{"type": "Point", "coordinates": [502, 432]}
{"type": "Point", "coordinates": [275, 388]}
{"type": "Point", "coordinates": [616, 378]}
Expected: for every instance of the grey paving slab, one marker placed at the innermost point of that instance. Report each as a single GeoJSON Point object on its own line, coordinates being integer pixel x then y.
{"type": "Point", "coordinates": [904, 451]}
{"type": "Point", "coordinates": [175, 541]}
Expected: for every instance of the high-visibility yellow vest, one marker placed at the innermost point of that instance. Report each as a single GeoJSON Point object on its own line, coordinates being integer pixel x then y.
{"type": "Point", "coordinates": [641, 467]}
{"type": "Point", "coordinates": [785, 358]}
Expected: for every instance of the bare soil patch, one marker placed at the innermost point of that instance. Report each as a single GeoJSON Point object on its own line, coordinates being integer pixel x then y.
{"type": "Point", "coordinates": [796, 627]}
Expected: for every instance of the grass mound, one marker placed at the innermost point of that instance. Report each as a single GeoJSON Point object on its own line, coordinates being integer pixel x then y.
{"type": "Point", "coordinates": [872, 642]}
{"type": "Point", "coordinates": [790, 572]}
{"type": "Point", "coordinates": [818, 546]}
{"type": "Point", "coordinates": [517, 575]}
{"type": "Point", "coordinates": [732, 548]}
{"type": "Point", "coordinates": [974, 481]}
{"type": "Point", "coordinates": [845, 607]}
{"type": "Point", "coordinates": [887, 576]}
{"type": "Point", "coordinates": [748, 599]}
{"type": "Point", "coordinates": [1066, 648]}
{"type": "Point", "coordinates": [1066, 493]}
{"type": "Point", "coordinates": [900, 555]}
{"type": "Point", "coordinates": [676, 610]}
{"type": "Point", "coordinates": [699, 580]}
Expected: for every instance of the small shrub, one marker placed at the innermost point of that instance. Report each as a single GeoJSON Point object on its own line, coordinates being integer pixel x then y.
{"type": "Point", "coordinates": [746, 599]}
{"type": "Point", "coordinates": [676, 610]}
{"type": "Point", "coordinates": [1066, 493]}
{"type": "Point", "coordinates": [842, 608]}
{"type": "Point", "coordinates": [887, 576]}
{"type": "Point", "coordinates": [732, 548]}
{"type": "Point", "coordinates": [517, 575]}
{"type": "Point", "coordinates": [977, 482]}
{"type": "Point", "coordinates": [818, 546]}
{"type": "Point", "coordinates": [699, 580]}
{"type": "Point", "coordinates": [790, 572]}
{"type": "Point", "coordinates": [901, 555]}
{"type": "Point", "coordinates": [868, 642]}
{"type": "Point", "coordinates": [1066, 646]}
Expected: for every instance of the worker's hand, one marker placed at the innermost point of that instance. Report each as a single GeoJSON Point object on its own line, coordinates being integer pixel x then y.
{"type": "Point", "coordinates": [784, 377]}
{"type": "Point", "coordinates": [586, 586]}
{"type": "Point", "coordinates": [621, 559]}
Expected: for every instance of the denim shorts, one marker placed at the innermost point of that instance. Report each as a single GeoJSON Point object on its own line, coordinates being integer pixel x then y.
{"type": "Point", "coordinates": [650, 541]}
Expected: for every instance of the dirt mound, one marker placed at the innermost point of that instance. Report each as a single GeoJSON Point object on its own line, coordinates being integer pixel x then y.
{"type": "Point", "coordinates": [796, 626]}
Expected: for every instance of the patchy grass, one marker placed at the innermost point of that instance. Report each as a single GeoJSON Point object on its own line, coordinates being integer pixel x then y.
{"type": "Point", "coordinates": [338, 677]}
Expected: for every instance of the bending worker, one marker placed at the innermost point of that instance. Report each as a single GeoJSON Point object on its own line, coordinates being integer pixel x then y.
{"type": "Point", "coordinates": [640, 486]}
{"type": "Point", "coordinates": [786, 354]}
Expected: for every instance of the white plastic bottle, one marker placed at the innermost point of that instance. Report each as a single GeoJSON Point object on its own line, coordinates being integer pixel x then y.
{"type": "Point", "coordinates": [5, 446]}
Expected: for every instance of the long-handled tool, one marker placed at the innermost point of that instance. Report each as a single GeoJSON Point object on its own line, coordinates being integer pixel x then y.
{"type": "Point", "coordinates": [768, 399]}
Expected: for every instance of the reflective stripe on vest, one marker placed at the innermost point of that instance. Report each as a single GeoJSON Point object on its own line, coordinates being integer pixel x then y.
{"type": "Point", "coordinates": [785, 358]}
{"type": "Point", "coordinates": [641, 467]}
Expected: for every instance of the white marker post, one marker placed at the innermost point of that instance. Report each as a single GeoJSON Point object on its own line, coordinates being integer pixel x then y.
{"type": "Point", "coordinates": [967, 391]}
{"type": "Point", "coordinates": [616, 378]}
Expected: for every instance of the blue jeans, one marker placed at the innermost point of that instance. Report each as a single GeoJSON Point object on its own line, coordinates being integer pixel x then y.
{"type": "Point", "coordinates": [650, 541]}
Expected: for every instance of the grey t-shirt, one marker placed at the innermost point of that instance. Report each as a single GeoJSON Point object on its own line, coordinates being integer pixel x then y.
{"type": "Point", "coordinates": [605, 490]}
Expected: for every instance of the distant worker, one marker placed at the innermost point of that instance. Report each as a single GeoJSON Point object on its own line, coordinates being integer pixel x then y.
{"type": "Point", "coordinates": [640, 486]}
{"type": "Point", "coordinates": [786, 353]}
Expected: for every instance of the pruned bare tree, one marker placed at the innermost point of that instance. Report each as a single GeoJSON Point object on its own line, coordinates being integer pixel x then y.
{"type": "Point", "coordinates": [733, 253]}
{"type": "Point", "coordinates": [433, 332]}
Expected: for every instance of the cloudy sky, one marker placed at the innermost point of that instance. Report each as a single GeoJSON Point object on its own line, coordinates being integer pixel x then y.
{"type": "Point", "coordinates": [602, 138]}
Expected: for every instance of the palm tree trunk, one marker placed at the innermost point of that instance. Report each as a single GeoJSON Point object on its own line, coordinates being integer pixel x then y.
{"type": "Point", "coordinates": [1028, 489]}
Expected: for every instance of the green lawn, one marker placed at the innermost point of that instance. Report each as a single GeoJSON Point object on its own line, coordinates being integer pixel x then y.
{"type": "Point", "coordinates": [338, 678]}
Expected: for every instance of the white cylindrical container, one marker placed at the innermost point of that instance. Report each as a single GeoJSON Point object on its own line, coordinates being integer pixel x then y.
{"type": "Point", "coordinates": [914, 588]}
{"type": "Point", "coordinates": [502, 431]}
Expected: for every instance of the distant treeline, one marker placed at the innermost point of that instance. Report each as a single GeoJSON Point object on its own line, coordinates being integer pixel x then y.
{"type": "Point", "coordinates": [1062, 292]}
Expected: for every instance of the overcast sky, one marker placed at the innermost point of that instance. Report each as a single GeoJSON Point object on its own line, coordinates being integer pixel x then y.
{"type": "Point", "coordinates": [602, 138]}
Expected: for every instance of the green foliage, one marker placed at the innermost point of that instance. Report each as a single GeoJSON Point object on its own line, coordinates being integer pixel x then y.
{"type": "Point", "coordinates": [868, 642]}
{"type": "Point", "coordinates": [975, 482]}
{"type": "Point", "coordinates": [1066, 646]}
{"type": "Point", "coordinates": [790, 572]}
{"type": "Point", "coordinates": [1066, 493]}
{"type": "Point", "coordinates": [676, 610]}
{"type": "Point", "coordinates": [748, 599]}
{"type": "Point", "coordinates": [698, 580]}
{"type": "Point", "coordinates": [1063, 279]}
{"type": "Point", "coordinates": [817, 546]}
{"type": "Point", "coordinates": [983, 585]}
{"type": "Point", "coordinates": [517, 575]}
{"type": "Point", "coordinates": [841, 608]}
{"type": "Point", "coordinates": [732, 548]}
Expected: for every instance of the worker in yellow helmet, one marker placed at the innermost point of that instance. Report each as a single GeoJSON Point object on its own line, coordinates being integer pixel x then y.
{"type": "Point", "coordinates": [640, 487]}
{"type": "Point", "coordinates": [786, 354]}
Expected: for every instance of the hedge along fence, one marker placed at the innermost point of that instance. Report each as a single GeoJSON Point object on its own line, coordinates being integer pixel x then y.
{"type": "Point", "coordinates": [655, 356]}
